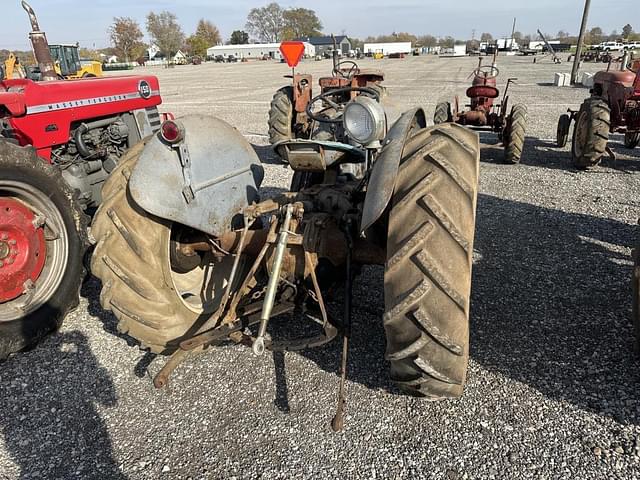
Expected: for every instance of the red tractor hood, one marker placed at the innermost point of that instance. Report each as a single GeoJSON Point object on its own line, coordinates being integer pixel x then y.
{"type": "Point", "coordinates": [625, 78]}
{"type": "Point", "coordinates": [41, 97]}
{"type": "Point", "coordinates": [42, 114]}
{"type": "Point", "coordinates": [13, 103]}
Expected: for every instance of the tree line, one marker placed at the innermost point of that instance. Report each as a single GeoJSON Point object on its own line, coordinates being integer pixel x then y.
{"type": "Point", "coordinates": [273, 23]}
{"type": "Point", "coordinates": [165, 32]}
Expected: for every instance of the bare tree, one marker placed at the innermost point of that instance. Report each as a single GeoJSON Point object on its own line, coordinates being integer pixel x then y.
{"type": "Point", "coordinates": [165, 32]}
{"type": "Point", "coordinates": [486, 37]}
{"type": "Point", "coordinates": [207, 35]}
{"type": "Point", "coordinates": [126, 38]}
{"type": "Point", "coordinates": [447, 42]}
{"type": "Point", "coordinates": [266, 23]}
{"type": "Point", "coordinates": [208, 32]}
{"type": "Point", "coordinates": [428, 41]}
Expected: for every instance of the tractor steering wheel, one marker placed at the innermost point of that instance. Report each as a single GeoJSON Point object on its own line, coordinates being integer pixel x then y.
{"type": "Point", "coordinates": [486, 71]}
{"type": "Point", "coordinates": [349, 72]}
{"type": "Point", "coordinates": [326, 98]}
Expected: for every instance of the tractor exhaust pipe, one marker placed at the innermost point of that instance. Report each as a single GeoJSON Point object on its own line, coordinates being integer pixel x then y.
{"type": "Point", "coordinates": [40, 46]}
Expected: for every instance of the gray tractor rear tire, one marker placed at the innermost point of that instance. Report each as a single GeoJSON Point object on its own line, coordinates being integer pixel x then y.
{"type": "Point", "coordinates": [442, 113]}
{"type": "Point", "coordinates": [590, 133]}
{"type": "Point", "coordinates": [429, 256]}
{"type": "Point", "coordinates": [631, 139]}
{"type": "Point", "coordinates": [514, 141]}
{"type": "Point", "coordinates": [132, 259]}
{"type": "Point", "coordinates": [281, 118]}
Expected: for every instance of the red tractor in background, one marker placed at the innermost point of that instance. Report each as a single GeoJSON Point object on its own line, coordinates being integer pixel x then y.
{"type": "Point", "coordinates": [484, 114]}
{"type": "Point", "coordinates": [614, 106]}
{"type": "Point", "coordinates": [292, 121]}
{"type": "Point", "coordinates": [59, 141]}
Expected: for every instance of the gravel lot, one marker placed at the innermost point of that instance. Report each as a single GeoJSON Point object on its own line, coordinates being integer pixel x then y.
{"type": "Point", "coordinates": [553, 388]}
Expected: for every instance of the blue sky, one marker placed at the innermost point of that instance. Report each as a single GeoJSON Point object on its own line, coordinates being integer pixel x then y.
{"type": "Point", "coordinates": [68, 21]}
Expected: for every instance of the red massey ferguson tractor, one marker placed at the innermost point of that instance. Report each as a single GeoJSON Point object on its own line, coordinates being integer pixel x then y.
{"type": "Point", "coordinates": [59, 141]}
{"type": "Point", "coordinates": [614, 106]}
{"type": "Point", "coordinates": [484, 114]}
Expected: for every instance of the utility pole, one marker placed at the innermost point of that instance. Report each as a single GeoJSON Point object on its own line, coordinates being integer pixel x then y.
{"type": "Point", "coordinates": [583, 28]}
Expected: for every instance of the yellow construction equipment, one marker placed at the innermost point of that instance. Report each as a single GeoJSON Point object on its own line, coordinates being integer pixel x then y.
{"type": "Point", "coordinates": [68, 64]}
{"type": "Point", "coordinates": [378, 55]}
{"type": "Point", "coordinates": [12, 68]}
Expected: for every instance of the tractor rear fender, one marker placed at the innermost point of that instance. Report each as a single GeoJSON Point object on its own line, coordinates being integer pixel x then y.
{"type": "Point", "coordinates": [385, 170]}
{"type": "Point", "coordinates": [202, 182]}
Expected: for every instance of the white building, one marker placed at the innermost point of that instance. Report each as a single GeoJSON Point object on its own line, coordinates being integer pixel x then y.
{"type": "Point", "coordinates": [180, 58]}
{"type": "Point", "coordinates": [387, 48]}
{"type": "Point", "coordinates": [255, 51]}
{"type": "Point", "coordinates": [152, 51]}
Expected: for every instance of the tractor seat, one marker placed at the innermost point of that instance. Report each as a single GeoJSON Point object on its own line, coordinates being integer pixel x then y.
{"type": "Point", "coordinates": [486, 91]}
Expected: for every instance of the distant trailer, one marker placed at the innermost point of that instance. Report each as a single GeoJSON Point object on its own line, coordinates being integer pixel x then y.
{"type": "Point", "coordinates": [558, 47]}
{"type": "Point", "coordinates": [388, 48]}
{"type": "Point", "coordinates": [456, 51]}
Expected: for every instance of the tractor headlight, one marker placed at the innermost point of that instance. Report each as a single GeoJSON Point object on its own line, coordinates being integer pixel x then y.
{"type": "Point", "coordinates": [364, 120]}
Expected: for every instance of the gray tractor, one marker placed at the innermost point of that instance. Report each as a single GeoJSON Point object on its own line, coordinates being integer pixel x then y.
{"type": "Point", "coordinates": [190, 256]}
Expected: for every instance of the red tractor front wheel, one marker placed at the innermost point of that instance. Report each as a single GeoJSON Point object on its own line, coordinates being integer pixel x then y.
{"type": "Point", "coordinates": [631, 139]}
{"type": "Point", "coordinates": [42, 242]}
{"type": "Point", "coordinates": [591, 133]}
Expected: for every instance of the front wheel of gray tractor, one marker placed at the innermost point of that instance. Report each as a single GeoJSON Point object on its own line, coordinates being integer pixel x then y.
{"type": "Point", "coordinates": [591, 133]}
{"type": "Point", "coordinates": [515, 135]}
{"type": "Point", "coordinates": [155, 300]}
{"type": "Point", "coordinates": [429, 256]}
{"type": "Point", "coordinates": [281, 118]}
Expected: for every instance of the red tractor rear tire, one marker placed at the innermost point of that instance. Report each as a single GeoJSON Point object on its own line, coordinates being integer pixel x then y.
{"type": "Point", "coordinates": [591, 133]}
{"type": "Point", "coordinates": [36, 188]}
{"type": "Point", "coordinates": [281, 118]}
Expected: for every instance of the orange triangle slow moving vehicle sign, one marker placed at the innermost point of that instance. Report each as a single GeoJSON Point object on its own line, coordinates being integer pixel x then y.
{"type": "Point", "coordinates": [292, 52]}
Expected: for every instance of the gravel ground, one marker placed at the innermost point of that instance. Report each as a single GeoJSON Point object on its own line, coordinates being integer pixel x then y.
{"type": "Point", "coordinates": [553, 380]}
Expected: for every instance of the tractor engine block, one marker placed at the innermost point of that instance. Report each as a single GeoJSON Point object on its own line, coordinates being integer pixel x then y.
{"type": "Point", "coordinates": [92, 153]}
